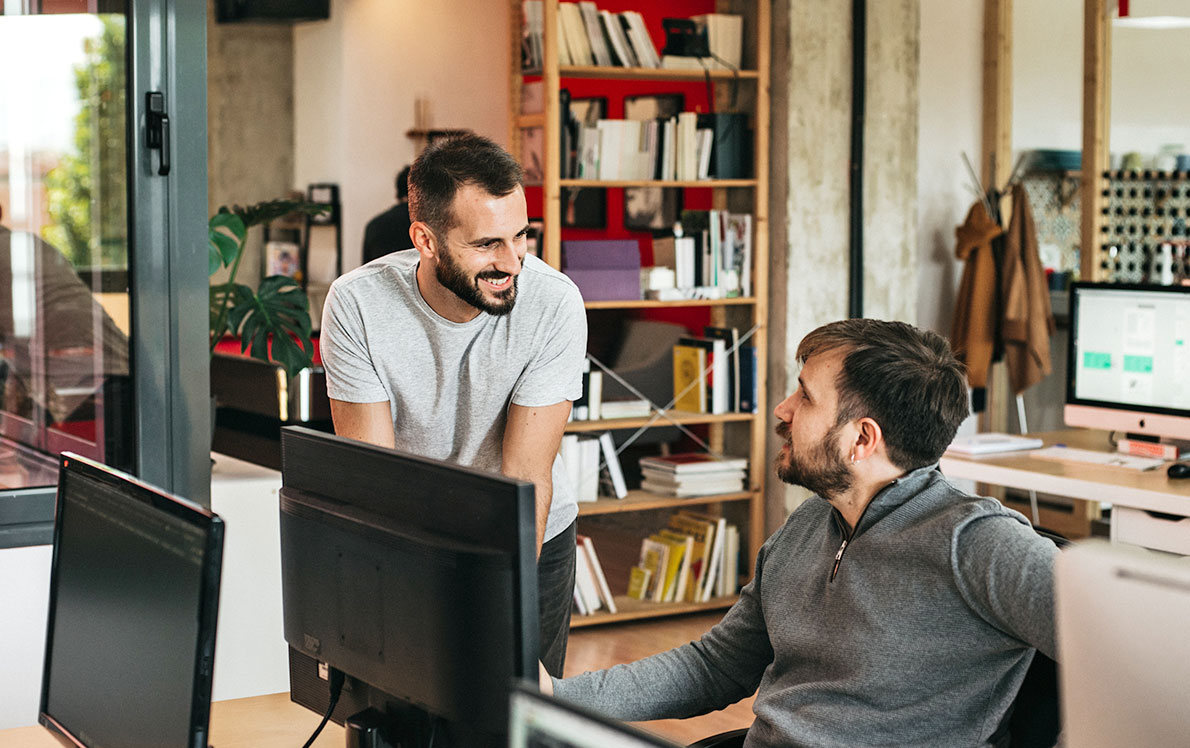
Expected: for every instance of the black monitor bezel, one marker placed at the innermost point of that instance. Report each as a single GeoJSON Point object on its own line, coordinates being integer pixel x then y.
{"type": "Point", "coordinates": [177, 507]}
{"type": "Point", "coordinates": [1072, 341]}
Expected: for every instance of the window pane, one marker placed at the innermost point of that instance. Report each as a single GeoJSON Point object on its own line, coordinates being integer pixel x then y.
{"type": "Point", "coordinates": [64, 297]}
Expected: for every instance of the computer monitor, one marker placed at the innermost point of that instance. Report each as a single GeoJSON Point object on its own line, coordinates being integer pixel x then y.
{"type": "Point", "coordinates": [540, 721]}
{"type": "Point", "coordinates": [134, 596]}
{"type": "Point", "coordinates": [1128, 360]}
{"type": "Point", "coordinates": [1122, 646]}
{"type": "Point", "coordinates": [414, 577]}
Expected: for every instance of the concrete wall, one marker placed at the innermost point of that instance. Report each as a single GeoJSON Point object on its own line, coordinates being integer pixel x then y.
{"type": "Point", "coordinates": [249, 120]}
{"type": "Point", "coordinates": [358, 74]}
{"type": "Point", "coordinates": [811, 122]}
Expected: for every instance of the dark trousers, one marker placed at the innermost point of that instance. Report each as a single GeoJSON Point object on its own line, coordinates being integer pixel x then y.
{"type": "Point", "coordinates": [555, 594]}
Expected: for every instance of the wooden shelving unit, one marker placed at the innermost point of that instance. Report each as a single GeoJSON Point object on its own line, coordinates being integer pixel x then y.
{"type": "Point", "coordinates": [733, 433]}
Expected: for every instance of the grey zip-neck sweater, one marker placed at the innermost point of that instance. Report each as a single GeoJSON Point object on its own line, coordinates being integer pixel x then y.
{"type": "Point", "coordinates": [916, 629]}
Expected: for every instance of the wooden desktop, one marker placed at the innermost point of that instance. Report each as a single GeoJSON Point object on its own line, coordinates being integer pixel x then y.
{"type": "Point", "coordinates": [271, 721]}
{"type": "Point", "coordinates": [1148, 504]}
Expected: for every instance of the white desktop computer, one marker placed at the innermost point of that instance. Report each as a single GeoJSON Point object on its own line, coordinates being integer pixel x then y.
{"type": "Point", "coordinates": [1123, 647]}
{"type": "Point", "coordinates": [1128, 364]}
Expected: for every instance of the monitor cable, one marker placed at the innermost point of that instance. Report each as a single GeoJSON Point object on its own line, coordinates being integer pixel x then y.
{"type": "Point", "coordinates": [336, 678]}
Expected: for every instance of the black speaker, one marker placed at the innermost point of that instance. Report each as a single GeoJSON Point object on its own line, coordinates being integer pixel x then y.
{"type": "Point", "coordinates": [272, 11]}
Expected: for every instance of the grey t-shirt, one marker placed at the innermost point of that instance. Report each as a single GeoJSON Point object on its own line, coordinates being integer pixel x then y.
{"type": "Point", "coordinates": [449, 385]}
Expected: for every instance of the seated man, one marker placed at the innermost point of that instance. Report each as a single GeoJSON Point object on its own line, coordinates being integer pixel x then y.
{"type": "Point", "coordinates": [891, 608]}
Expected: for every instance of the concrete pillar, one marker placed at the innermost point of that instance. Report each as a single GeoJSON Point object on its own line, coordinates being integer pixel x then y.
{"type": "Point", "coordinates": [811, 106]}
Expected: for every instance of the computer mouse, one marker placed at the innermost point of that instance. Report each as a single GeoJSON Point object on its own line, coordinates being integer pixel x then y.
{"type": "Point", "coordinates": [1179, 470]}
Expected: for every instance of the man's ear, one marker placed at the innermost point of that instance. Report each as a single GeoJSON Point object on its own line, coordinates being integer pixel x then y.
{"type": "Point", "coordinates": [424, 240]}
{"type": "Point", "coordinates": [869, 436]}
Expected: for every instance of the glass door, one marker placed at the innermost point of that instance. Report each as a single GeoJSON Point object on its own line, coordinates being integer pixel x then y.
{"type": "Point", "coordinates": [65, 377]}
{"type": "Point", "coordinates": [102, 243]}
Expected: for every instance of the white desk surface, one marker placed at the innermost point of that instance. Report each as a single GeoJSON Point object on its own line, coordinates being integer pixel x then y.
{"type": "Point", "coordinates": [1152, 490]}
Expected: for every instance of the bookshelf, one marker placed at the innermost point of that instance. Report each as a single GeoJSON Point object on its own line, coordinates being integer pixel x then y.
{"type": "Point", "coordinates": [736, 434]}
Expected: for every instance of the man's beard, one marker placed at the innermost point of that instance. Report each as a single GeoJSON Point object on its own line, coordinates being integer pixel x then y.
{"type": "Point", "coordinates": [455, 279]}
{"type": "Point", "coordinates": [821, 470]}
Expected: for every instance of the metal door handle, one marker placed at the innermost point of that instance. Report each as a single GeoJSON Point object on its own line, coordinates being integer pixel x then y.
{"type": "Point", "coordinates": [157, 128]}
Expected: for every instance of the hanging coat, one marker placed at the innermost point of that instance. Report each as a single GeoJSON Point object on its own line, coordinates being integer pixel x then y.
{"type": "Point", "coordinates": [1027, 319]}
{"type": "Point", "coordinates": [973, 335]}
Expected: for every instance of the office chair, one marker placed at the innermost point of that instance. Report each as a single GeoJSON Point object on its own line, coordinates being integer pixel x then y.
{"type": "Point", "coordinates": [1032, 720]}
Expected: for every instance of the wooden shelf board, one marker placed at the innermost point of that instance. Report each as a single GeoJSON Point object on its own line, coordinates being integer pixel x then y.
{"type": "Point", "coordinates": [653, 304]}
{"type": "Point", "coordinates": [680, 416]}
{"type": "Point", "coordinates": [686, 183]}
{"type": "Point", "coordinates": [658, 74]}
{"type": "Point", "coordinates": [631, 609]}
{"type": "Point", "coordinates": [639, 501]}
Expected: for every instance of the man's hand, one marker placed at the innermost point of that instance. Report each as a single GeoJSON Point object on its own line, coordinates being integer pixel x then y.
{"type": "Point", "coordinates": [546, 682]}
{"type": "Point", "coordinates": [367, 422]}
{"type": "Point", "coordinates": [531, 440]}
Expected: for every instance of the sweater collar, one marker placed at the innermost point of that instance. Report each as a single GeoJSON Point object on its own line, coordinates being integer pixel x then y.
{"type": "Point", "coordinates": [887, 499]}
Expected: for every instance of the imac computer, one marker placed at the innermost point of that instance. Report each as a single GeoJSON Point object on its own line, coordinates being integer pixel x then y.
{"type": "Point", "coordinates": [1129, 360]}
{"type": "Point", "coordinates": [540, 721]}
{"type": "Point", "coordinates": [410, 585]}
{"type": "Point", "coordinates": [134, 595]}
{"type": "Point", "coordinates": [1121, 616]}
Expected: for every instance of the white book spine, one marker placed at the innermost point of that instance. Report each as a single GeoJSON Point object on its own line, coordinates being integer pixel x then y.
{"type": "Point", "coordinates": [619, 486]}
{"type": "Point", "coordinates": [600, 578]}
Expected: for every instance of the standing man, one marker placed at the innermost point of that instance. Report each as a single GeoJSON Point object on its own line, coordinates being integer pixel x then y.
{"type": "Point", "coordinates": [389, 231]}
{"type": "Point", "coordinates": [891, 608]}
{"type": "Point", "coordinates": [464, 349]}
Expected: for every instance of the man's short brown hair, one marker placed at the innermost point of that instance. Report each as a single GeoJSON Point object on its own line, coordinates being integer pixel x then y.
{"type": "Point", "coordinates": [904, 378]}
{"type": "Point", "coordinates": [448, 164]}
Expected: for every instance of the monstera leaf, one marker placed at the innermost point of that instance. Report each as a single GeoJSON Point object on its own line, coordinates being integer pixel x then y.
{"type": "Point", "coordinates": [273, 322]}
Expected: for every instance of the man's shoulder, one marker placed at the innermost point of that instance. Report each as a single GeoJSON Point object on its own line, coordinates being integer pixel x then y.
{"type": "Point", "coordinates": [547, 286]}
{"type": "Point", "coordinates": [384, 275]}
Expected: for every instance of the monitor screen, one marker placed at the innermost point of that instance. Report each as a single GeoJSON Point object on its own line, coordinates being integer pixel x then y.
{"type": "Point", "coordinates": [1121, 616]}
{"type": "Point", "coordinates": [134, 595]}
{"type": "Point", "coordinates": [1129, 359]}
{"type": "Point", "coordinates": [540, 721]}
{"type": "Point", "coordinates": [415, 578]}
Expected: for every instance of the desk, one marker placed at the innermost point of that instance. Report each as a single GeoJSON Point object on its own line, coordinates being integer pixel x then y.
{"type": "Point", "coordinates": [1134, 491]}
{"type": "Point", "coordinates": [271, 721]}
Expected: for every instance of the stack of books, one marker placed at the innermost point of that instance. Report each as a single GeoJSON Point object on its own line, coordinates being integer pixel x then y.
{"type": "Point", "coordinates": [587, 458]}
{"type": "Point", "coordinates": [589, 36]}
{"type": "Point", "coordinates": [692, 474]}
{"type": "Point", "coordinates": [694, 558]}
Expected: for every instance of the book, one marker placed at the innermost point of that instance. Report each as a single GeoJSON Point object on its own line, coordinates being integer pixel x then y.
{"type": "Point", "coordinates": [575, 34]}
{"type": "Point", "coordinates": [989, 443]}
{"type": "Point", "coordinates": [724, 34]}
{"type": "Point", "coordinates": [686, 492]}
{"type": "Point", "coordinates": [693, 479]}
{"type": "Point", "coordinates": [638, 582]}
{"type": "Point", "coordinates": [714, 557]}
{"type": "Point", "coordinates": [594, 28]}
{"type": "Point", "coordinates": [625, 407]}
{"type": "Point", "coordinates": [729, 154]}
{"type": "Point", "coordinates": [619, 43]}
{"type": "Point", "coordinates": [683, 577]}
{"type": "Point", "coordinates": [654, 556]}
{"type": "Point", "coordinates": [693, 462]}
{"type": "Point", "coordinates": [673, 564]}
{"type": "Point", "coordinates": [703, 534]}
{"type": "Point", "coordinates": [597, 570]}
{"type": "Point", "coordinates": [595, 395]}
{"type": "Point", "coordinates": [731, 342]}
{"type": "Point", "coordinates": [584, 580]}
{"type": "Point", "coordinates": [603, 269]}
{"type": "Point", "coordinates": [612, 460]}
{"type": "Point", "coordinates": [690, 386]}
{"type": "Point", "coordinates": [579, 603]}
{"type": "Point", "coordinates": [714, 370]}
{"type": "Point", "coordinates": [749, 395]}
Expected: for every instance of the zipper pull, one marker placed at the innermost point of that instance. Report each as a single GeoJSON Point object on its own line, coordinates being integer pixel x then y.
{"type": "Point", "coordinates": [838, 559]}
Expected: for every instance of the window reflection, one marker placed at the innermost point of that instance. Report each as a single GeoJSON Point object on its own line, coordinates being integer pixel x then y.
{"type": "Point", "coordinates": [64, 296]}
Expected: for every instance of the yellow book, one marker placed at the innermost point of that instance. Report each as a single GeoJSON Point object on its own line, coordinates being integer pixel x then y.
{"type": "Point", "coordinates": [673, 565]}
{"type": "Point", "coordinates": [638, 582]}
{"type": "Point", "coordinates": [654, 556]}
{"type": "Point", "coordinates": [687, 544]}
{"type": "Point", "coordinates": [703, 534]}
{"type": "Point", "coordinates": [690, 386]}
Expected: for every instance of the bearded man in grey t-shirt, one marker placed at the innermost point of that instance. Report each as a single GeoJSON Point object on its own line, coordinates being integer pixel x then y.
{"type": "Point", "coordinates": [463, 349]}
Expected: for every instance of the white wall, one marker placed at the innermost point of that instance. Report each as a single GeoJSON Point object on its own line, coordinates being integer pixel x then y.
{"type": "Point", "coordinates": [353, 101]}
{"type": "Point", "coordinates": [1149, 105]}
{"type": "Point", "coordinates": [950, 101]}
{"type": "Point", "coordinates": [24, 605]}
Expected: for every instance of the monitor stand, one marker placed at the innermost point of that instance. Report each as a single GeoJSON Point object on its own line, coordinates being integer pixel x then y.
{"type": "Point", "coordinates": [1146, 445]}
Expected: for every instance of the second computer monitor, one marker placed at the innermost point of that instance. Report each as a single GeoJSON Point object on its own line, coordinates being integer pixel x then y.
{"type": "Point", "coordinates": [1128, 364]}
{"type": "Point", "coordinates": [414, 577]}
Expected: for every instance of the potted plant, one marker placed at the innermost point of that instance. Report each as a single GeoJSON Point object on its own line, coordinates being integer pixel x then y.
{"type": "Point", "coordinates": [272, 322]}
